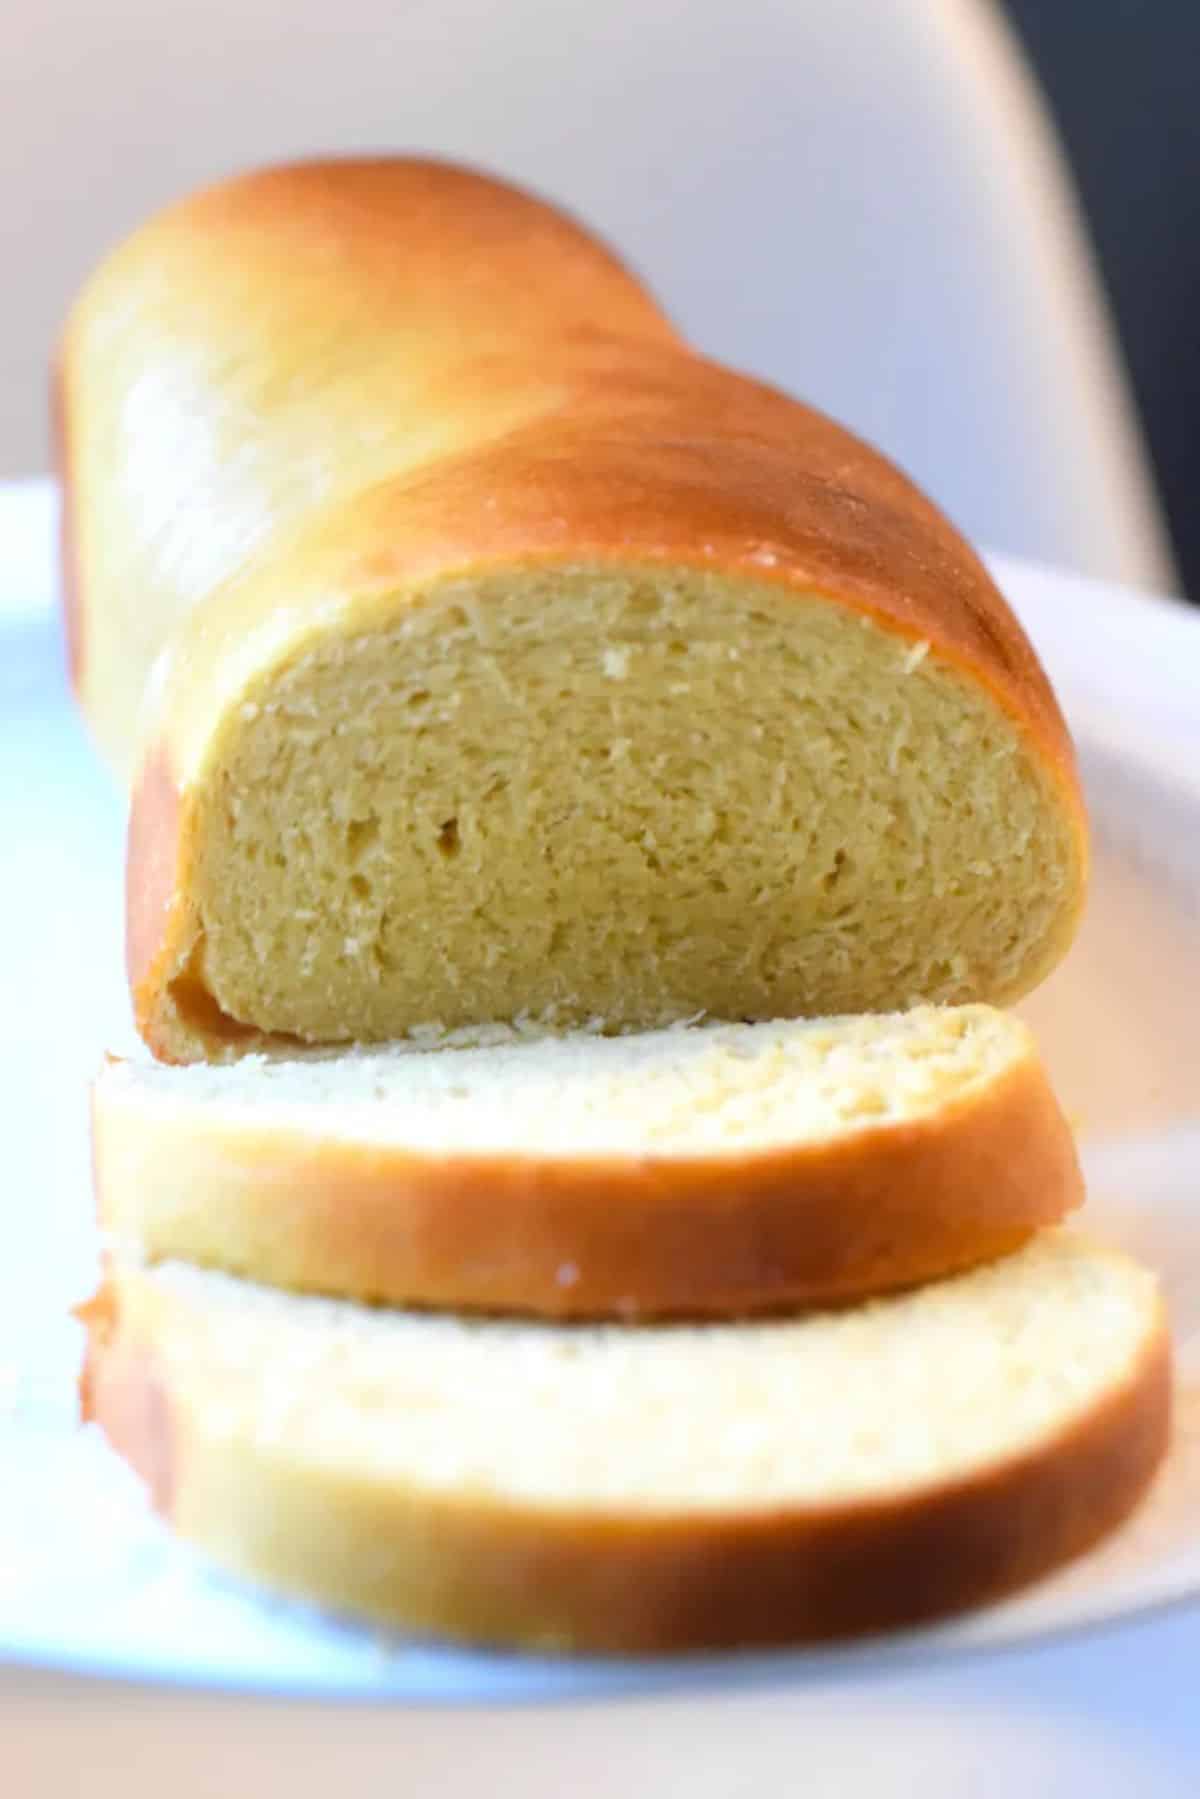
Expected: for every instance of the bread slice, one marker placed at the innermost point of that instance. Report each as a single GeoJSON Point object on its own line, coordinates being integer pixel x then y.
{"type": "Point", "coordinates": [707, 1170]}
{"type": "Point", "coordinates": [512, 658]}
{"type": "Point", "coordinates": [597, 1487]}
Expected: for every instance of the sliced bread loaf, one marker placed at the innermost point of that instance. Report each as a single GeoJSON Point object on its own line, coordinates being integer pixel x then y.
{"type": "Point", "coordinates": [706, 1170]}
{"type": "Point", "coordinates": [514, 659]}
{"type": "Point", "coordinates": [670, 1487]}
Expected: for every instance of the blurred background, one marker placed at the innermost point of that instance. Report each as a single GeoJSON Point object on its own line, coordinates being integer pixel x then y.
{"type": "Point", "coordinates": [967, 229]}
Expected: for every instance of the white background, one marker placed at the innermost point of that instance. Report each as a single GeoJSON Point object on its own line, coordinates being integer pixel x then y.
{"type": "Point", "coordinates": [857, 199]}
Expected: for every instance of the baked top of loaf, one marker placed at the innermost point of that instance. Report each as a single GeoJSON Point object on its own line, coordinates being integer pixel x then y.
{"type": "Point", "coordinates": [674, 1486]}
{"type": "Point", "coordinates": [716, 1169]}
{"type": "Point", "coordinates": [513, 658]}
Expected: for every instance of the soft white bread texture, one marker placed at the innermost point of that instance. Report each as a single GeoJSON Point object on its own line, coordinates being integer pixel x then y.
{"type": "Point", "coordinates": [671, 1487]}
{"type": "Point", "coordinates": [714, 1169]}
{"type": "Point", "coordinates": [516, 661]}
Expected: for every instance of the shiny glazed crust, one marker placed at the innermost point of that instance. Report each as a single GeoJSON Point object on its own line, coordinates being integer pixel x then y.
{"type": "Point", "coordinates": [877, 1208]}
{"type": "Point", "coordinates": [470, 1567]}
{"type": "Point", "coordinates": [551, 416]}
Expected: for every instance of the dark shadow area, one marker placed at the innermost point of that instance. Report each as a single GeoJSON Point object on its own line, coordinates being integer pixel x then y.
{"type": "Point", "coordinates": [1121, 78]}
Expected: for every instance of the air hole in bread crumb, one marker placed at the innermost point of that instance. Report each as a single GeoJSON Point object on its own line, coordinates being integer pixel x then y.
{"type": "Point", "coordinates": [360, 835]}
{"type": "Point", "coordinates": [841, 862]}
{"type": "Point", "coordinates": [447, 838]}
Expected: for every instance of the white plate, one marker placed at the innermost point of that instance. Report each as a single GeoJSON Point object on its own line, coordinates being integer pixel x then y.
{"type": "Point", "coordinates": [89, 1582]}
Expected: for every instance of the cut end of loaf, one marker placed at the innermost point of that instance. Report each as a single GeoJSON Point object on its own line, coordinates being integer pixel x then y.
{"type": "Point", "coordinates": [593, 796]}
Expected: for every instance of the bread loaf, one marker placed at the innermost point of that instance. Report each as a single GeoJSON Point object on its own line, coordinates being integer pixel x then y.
{"type": "Point", "coordinates": [512, 662]}
{"type": "Point", "coordinates": [670, 1487]}
{"type": "Point", "coordinates": [714, 1170]}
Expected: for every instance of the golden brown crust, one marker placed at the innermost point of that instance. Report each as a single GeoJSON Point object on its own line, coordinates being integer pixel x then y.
{"type": "Point", "coordinates": [120, 1390]}
{"type": "Point", "coordinates": [575, 1237]}
{"type": "Point", "coordinates": [163, 939]}
{"type": "Point", "coordinates": [70, 593]}
{"type": "Point", "coordinates": [98, 1316]}
{"type": "Point", "coordinates": [152, 857]}
{"type": "Point", "coordinates": [547, 413]}
{"type": "Point", "coordinates": [476, 1569]}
